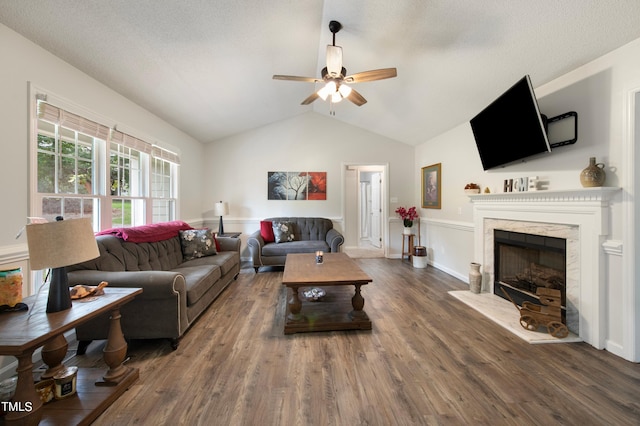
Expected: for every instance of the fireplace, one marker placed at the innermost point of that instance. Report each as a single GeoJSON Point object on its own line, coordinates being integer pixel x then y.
{"type": "Point", "coordinates": [581, 218]}
{"type": "Point", "coordinates": [525, 262]}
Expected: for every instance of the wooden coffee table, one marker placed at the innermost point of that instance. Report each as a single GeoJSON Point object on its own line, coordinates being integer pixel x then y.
{"type": "Point", "coordinates": [339, 309]}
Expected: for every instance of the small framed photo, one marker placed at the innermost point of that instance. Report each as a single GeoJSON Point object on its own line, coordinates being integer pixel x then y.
{"type": "Point", "coordinates": [432, 186]}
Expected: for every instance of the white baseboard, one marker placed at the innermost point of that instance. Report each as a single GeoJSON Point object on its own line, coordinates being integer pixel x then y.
{"type": "Point", "coordinates": [615, 349]}
{"type": "Point", "coordinates": [461, 277]}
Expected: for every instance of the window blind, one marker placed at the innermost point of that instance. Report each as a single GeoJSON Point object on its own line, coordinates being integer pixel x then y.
{"type": "Point", "coordinates": [165, 155]}
{"type": "Point", "coordinates": [71, 121]}
{"type": "Point", "coordinates": [131, 141]}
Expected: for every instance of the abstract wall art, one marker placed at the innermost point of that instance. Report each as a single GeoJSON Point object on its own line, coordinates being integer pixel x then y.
{"type": "Point", "coordinates": [296, 185]}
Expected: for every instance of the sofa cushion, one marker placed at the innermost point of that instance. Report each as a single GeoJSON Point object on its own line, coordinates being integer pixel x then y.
{"type": "Point", "coordinates": [283, 232]}
{"type": "Point", "coordinates": [312, 229]}
{"type": "Point", "coordinates": [266, 231]}
{"type": "Point", "coordinates": [197, 243]}
{"type": "Point", "coordinates": [159, 256]}
{"type": "Point", "coordinates": [112, 256]}
{"type": "Point", "coordinates": [198, 279]}
{"type": "Point", "coordinates": [306, 228]}
{"type": "Point", "coordinates": [226, 260]}
{"type": "Point", "coordinates": [282, 249]}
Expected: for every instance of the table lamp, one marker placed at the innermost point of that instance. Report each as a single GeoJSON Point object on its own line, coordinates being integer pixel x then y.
{"type": "Point", "coordinates": [57, 245]}
{"type": "Point", "coordinates": [221, 209]}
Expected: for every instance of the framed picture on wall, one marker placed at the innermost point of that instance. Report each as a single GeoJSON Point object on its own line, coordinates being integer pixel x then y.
{"type": "Point", "coordinates": [432, 186]}
{"type": "Point", "coordinates": [297, 185]}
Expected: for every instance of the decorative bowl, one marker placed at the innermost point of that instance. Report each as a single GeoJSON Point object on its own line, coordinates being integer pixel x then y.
{"type": "Point", "coordinates": [472, 191]}
{"type": "Point", "coordinates": [314, 294]}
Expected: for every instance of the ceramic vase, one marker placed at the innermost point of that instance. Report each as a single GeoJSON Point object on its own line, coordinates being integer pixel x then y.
{"type": "Point", "coordinates": [593, 175]}
{"type": "Point", "coordinates": [408, 227]}
{"type": "Point", "coordinates": [475, 278]}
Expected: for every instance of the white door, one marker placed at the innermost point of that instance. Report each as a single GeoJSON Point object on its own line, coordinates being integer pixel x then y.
{"type": "Point", "coordinates": [365, 210]}
{"type": "Point", "coordinates": [376, 209]}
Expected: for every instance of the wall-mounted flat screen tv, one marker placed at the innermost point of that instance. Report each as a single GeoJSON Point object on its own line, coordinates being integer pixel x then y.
{"type": "Point", "coordinates": [511, 127]}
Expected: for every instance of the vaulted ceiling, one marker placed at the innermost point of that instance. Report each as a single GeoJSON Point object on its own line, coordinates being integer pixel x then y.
{"type": "Point", "coordinates": [206, 66]}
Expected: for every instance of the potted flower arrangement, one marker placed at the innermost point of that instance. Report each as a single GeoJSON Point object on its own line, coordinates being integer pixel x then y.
{"type": "Point", "coordinates": [407, 216]}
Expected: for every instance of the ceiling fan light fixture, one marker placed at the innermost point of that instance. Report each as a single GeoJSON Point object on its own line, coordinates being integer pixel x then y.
{"type": "Point", "coordinates": [327, 89]}
{"type": "Point", "coordinates": [335, 75]}
{"type": "Point", "coordinates": [323, 93]}
{"type": "Point", "coordinates": [344, 90]}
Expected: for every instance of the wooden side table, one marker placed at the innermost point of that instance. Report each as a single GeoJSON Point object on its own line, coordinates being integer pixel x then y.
{"type": "Point", "coordinates": [409, 240]}
{"type": "Point", "coordinates": [21, 333]}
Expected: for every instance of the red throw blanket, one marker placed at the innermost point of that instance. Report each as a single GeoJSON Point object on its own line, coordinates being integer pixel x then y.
{"type": "Point", "coordinates": [148, 233]}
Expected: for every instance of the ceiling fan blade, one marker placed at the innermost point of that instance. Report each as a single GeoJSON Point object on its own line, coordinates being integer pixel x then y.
{"type": "Point", "coordinates": [356, 98]}
{"type": "Point", "coordinates": [312, 97]}
{"type": "Point", "coordinates": [334, 60]}
{"type": "Point", "coordinates": [296, 78]}
{"type": "Point", "coordinates": [372, 75]}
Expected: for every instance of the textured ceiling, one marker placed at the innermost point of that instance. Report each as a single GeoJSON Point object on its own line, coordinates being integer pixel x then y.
{"type": "Point", "coordinates": [206, 66]}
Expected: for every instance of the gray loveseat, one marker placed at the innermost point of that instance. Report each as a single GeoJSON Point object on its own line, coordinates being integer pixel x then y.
{"type": "Point", "coordinates": [310, 234]}
{"type": "Point", "coordinates": [175, 292]}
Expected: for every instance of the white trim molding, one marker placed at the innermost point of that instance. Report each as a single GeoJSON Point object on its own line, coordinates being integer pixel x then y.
{"type": "Point", "coordinates": [613, 247]}
{"type": "Point", "coordinates": [630, 215]}
{"type": "Point", "coordinates": [13, 254]}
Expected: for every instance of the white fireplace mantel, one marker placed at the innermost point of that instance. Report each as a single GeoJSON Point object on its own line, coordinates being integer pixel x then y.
{"type": "Point", "coordinates": [586, 210]}
{"type": "Point", "coordinates": [597, 195]}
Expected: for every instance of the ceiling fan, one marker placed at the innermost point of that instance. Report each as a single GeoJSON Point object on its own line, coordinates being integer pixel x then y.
{"type": "Point", "coordinates": [335, 77]}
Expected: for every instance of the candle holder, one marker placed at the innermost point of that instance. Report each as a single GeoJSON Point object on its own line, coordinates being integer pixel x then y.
{"type": "Point", "coordinates": [319, 257]}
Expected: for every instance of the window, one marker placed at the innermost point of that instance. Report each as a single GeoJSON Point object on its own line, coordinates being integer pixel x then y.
{"type": "Point", "coordinates": [126, 186]}
{"type": "Point", "coordinates": [65, 171]}
{"type": "Point", "coordinates": [163, 189]}
{"type": "Point", "coordinates": [86, 169]}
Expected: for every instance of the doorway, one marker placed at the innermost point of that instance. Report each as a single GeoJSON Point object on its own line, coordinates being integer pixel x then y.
{"type": "Point", "coordinates": [364, 212]}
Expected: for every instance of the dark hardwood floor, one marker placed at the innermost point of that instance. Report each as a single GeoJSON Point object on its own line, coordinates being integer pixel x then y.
{"type": "Point", "coordinates": [428, 360]}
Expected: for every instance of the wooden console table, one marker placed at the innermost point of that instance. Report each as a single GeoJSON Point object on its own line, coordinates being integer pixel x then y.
{"type": "Point", "coordinates": [21, 334]}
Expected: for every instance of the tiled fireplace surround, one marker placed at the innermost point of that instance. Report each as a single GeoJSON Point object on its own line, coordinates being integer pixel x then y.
{"type": "Point", "coordinates": [582, 218]}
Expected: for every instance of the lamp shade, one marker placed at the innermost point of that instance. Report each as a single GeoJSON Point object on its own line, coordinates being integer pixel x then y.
{"type": "Point", "coordinates": [62, 243]}
{"type": "Point", "coordinates": [221, 208]}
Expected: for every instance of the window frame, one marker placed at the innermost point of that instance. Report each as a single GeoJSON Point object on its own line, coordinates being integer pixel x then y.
{"type": "Point", "coordinates": [102, 213]}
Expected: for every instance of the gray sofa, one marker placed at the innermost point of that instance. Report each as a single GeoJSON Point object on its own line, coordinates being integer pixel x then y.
{"type": "Point", "coordinates": [310, 234]}
{"type": "Point", "coordinates": [175, 292]}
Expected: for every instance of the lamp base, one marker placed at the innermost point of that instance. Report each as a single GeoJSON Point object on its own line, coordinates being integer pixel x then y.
{"type": "Point", "coordinates": [221, 227]}
{"type": "Point", "coordinates": [59, 296]}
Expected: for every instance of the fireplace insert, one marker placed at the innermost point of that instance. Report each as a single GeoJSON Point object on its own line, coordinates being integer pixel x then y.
{"type": "Point", "coordinates": [523, 262]}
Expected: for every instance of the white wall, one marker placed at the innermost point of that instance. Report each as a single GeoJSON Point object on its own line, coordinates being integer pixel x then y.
{"type": "Point", "coordinates": [600, 93]}
{"type": "Point", "coordinates": [23, 62]}
{"type": "Point", "coordinates": [457, 153]}
{"type": "Point", "coordinates": [238, 165]}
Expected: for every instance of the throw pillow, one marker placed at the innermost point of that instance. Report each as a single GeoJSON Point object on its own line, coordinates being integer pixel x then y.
{"type": "Point", "coordinates": [266, 231]}
{"type": "Point", "coordinates": [283, 232]}
{"type": "Point", "coordinates": [215, 239]}
{"type": "Point", "coordinates": [197, 243]}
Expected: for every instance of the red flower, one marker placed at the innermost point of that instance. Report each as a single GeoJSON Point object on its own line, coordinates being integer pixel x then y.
{"type": "Point", "coordinates": [407, 215]}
